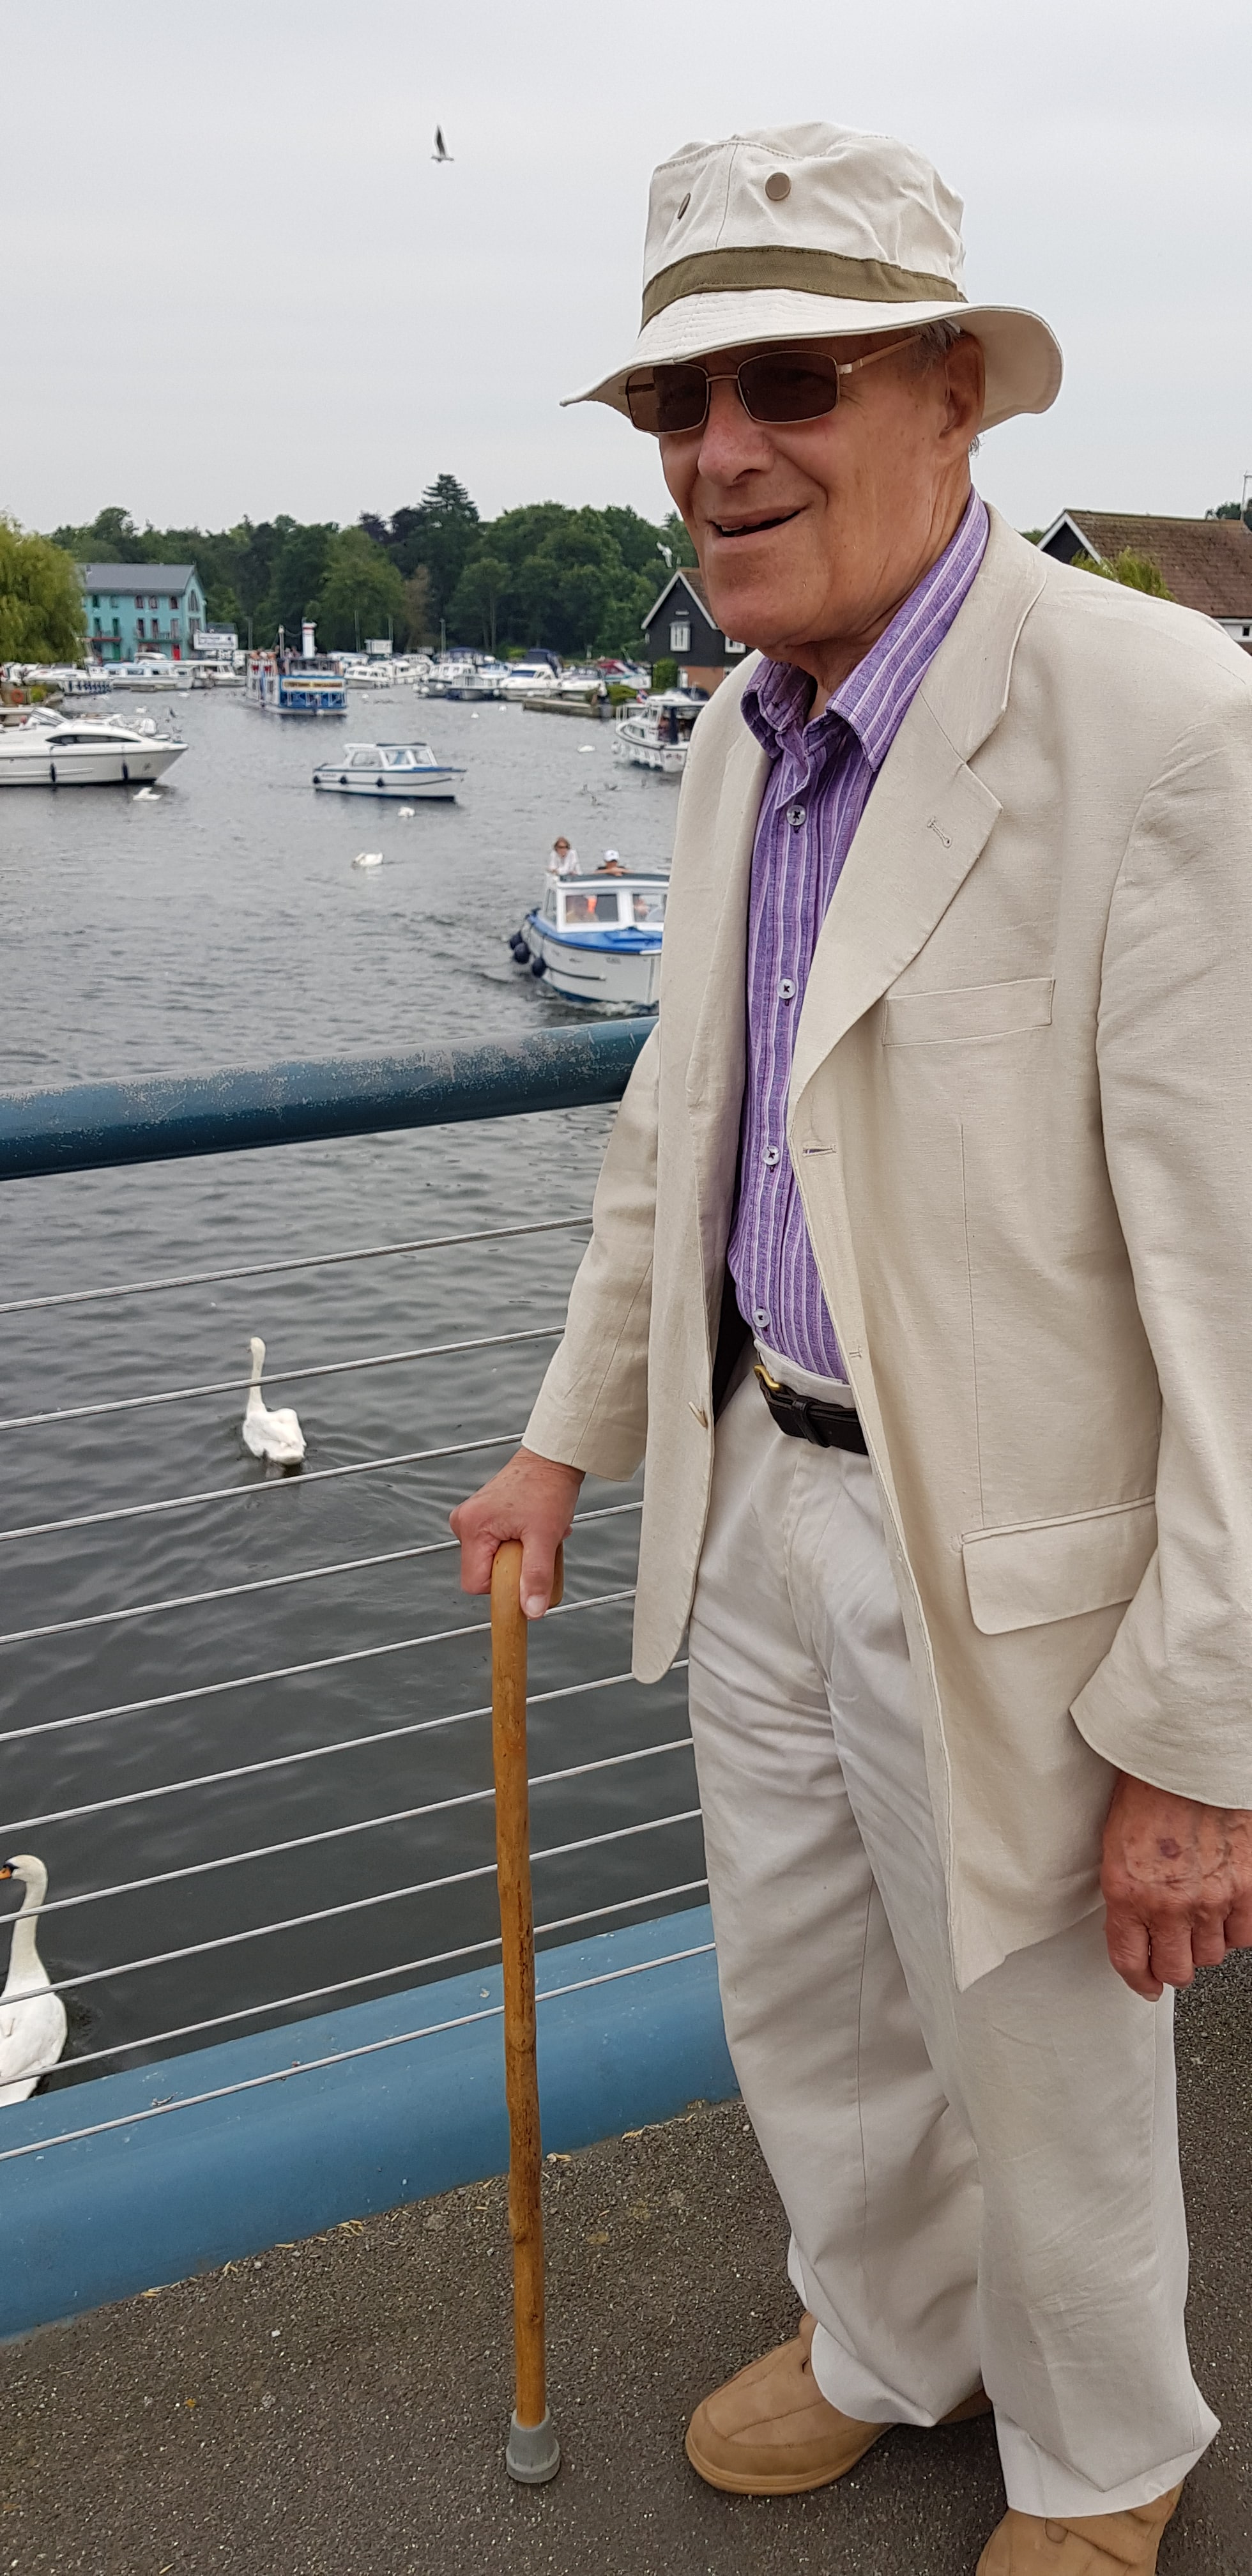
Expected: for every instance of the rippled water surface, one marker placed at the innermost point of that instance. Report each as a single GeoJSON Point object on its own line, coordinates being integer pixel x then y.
{"type": "Point", "coordinates": [223, 923]}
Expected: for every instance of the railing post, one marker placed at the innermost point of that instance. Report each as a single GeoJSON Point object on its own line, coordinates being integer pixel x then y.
{"type": "Point", "coordinates": [533, 2454]}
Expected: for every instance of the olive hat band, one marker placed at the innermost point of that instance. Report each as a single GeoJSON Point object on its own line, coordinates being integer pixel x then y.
{"type": "Point", "coordinates": [808, 272]}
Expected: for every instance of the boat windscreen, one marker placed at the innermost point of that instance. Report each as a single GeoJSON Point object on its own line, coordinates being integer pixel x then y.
{"type": "Point", "coordinates": [584, 908]}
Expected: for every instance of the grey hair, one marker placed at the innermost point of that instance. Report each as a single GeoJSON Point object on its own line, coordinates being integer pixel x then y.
{"type": "Point", "coordinates": [932, 344]}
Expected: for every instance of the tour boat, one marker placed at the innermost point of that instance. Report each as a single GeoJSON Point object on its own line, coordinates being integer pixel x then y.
{"type": "Point", "coordinates": [296, 684]}
{"type": "Point", "coordinates": [403, 770]}
{"type": "Point", "coordinates": [597, 938]}
{"type": "Point", "coordinates": [50, 750]}
{"type": "Point", "coordinates": [656, 733]}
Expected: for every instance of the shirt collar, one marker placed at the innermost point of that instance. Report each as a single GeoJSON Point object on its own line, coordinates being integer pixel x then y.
{"type": "Point", "coordinates": [874, 699]}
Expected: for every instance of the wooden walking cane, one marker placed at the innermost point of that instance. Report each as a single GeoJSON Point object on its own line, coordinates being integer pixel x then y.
{"type": "Point", "coordinates": [533, 2454]}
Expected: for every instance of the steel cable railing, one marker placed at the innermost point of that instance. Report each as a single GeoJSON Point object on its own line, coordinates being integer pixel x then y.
{"type": "Point", "coordinates": [589, 1805]}
{"type": "Point", "coordinates": [277, 1672]}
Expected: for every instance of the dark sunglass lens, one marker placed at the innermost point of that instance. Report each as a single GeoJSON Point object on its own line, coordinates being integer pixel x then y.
{"type": "Point", "coordinates": [681, 398]}
{"type": "Point", "coordinates": [780, 389]}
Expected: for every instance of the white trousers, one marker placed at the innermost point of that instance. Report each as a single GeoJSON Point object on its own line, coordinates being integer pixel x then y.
{"type": "Point", "coordinates": [978, 2185]}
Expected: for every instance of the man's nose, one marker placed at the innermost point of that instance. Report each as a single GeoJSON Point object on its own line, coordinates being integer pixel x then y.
{"type": "Point", "coordinates": [731, 443]}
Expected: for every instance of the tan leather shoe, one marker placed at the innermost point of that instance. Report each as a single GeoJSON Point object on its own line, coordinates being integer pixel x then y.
{"type": "Point", "coordinates": [770, 2431]}
{"type": "Point", "coordinates": [1100, 2544]}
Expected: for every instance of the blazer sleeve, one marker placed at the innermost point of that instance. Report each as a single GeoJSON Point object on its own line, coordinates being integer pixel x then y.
{"type": "Point", "coordinates": [592, 1409]}
{"type": "Point", "coordinates": [1172, 1701]}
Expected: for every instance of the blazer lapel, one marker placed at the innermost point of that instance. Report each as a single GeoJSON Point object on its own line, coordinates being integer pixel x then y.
{"type": "Point", "coordinates": [929, 816]}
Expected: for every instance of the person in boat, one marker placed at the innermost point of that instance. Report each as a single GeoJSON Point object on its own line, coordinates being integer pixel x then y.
{"type": "Point", "coordinates": [610, 865]}
{"type": "Point", "coordinates": [957, 1493]}
{"type": "Point", "coordinates": [563, 861]}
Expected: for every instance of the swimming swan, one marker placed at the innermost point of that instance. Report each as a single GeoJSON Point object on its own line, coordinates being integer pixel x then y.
{"type": "Point", "coordinates": [32, 2020]}
{"type": "Point", "coordinates": [276, 1436]}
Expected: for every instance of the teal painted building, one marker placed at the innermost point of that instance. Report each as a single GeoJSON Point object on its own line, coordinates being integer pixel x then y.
{"type": "Point", "coordinates": [142, 608]}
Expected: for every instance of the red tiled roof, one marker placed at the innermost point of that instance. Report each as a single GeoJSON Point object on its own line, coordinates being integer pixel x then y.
{"type": "Point", "coordinates": [1204, 563]}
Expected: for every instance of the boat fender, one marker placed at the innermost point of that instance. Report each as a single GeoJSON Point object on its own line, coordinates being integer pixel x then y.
{"type": "Point", "coordinates": [519, 945]}
{"type": "Point", "coordinates": [538, 965]}
{"type": "Point", "coordinates": [52, 773]}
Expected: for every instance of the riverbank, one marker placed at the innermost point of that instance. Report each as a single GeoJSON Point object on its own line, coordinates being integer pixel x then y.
{"type": "Point", "coordinates": [343, 2402]}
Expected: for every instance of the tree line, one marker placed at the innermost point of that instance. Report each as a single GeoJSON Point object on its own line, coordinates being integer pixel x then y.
{"type": "Point", "coordinates": [577, 580]}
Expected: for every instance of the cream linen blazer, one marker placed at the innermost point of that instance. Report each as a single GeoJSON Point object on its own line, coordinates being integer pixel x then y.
{"type": "Point", "coordinates": [1020, 1117]}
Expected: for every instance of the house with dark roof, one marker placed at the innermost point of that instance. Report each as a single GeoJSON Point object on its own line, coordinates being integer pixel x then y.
{"type": "Point", "coordinates": [1205, 564]}
{"type": "Point", "coordinates": [680, 627]}
{"type": "Point", "coordinates": [141, 608]}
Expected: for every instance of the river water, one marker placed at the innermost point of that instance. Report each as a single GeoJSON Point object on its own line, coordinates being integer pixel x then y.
{"type": "Point", "coordinates": [221, 922]}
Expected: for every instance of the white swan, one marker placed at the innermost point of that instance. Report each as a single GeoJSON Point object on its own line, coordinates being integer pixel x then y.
{"type": "Point", "coordinates": [276, 1436]}
{"type": "Point", "coordinates": [368, 859]}
{"type": "Point", "coordinates": [32, 2019]}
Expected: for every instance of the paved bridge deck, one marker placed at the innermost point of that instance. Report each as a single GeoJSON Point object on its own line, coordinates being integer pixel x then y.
{"type": "Point", "coordinates": [340, 2405]}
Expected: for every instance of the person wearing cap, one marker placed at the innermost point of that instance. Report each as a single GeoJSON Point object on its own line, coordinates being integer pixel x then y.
{"type": "Point", "coordinates": [919, 1273]}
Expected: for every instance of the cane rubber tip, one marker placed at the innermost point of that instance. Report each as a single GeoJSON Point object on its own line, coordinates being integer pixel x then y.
{"type": "Point", "coordinates": [533, 2454]}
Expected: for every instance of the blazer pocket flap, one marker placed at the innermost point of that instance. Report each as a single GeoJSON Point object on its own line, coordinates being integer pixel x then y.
{"type": "Point", "coordinates": [968, 1011]}
{"type": "Point", "coordinates": [1042, 1570]}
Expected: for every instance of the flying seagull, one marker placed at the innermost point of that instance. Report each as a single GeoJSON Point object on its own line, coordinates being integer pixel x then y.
{"type": "Point", "coordinates": [441, 152]}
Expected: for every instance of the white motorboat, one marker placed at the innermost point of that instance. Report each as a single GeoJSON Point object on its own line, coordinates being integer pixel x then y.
{"type": "Point", "coordinates": [207, 674]}
{"type": "Point", "coordinates": [529, 680]}
{"type": "Point", "coordinates": [84, 751]}
{"type": "Point", "coordinates": [153, 671]}
{"type": "Point", "coordinates": [403, 770]}
{"type": "Point", "coordinates": [597, 938]}
{"type": "Point", "coordinates": [656, 732]}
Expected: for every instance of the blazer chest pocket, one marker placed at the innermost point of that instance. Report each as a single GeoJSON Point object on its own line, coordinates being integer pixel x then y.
{"type": "Point", "coordinates": [968, 1011]}
{"type": "Point", "coordinates": [1042, 1570]}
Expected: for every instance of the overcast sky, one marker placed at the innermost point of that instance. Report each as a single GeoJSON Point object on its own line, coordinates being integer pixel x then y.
{"type": "Point", "coordinates": [233, 281]}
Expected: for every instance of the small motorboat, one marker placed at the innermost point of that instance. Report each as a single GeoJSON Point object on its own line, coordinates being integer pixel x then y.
{"type": "Point", "coordinates": [532, 679]}
{"type": "Point", "coordinates": [51, 750]}
{"type": "Point", "coordinates": [597, 938]}
{"type": "Point", "coordinates": [656, 733]}
{"type": "Point", "coordinates": [399, 769]}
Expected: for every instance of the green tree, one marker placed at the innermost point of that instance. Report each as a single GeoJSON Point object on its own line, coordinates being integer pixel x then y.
{"type": "Point", "coordinates": [298, 569]}
{"type": "Point", "coordinates": [417, 620]}
{"type": "Point", "coordinates": [476, 600]}
{"type": "Point", "coordinates": [41, 599]}
{"type": "Point", "coordinates": [361, 592]}
{"type": "Point", "coordinates": [674, 535]}
{"type": "Point", "coordinates": [112, 537]}
{"type": "Point", "coordinates": [1134, 571]}
{"type": "Point", "coordinates": [439, 532]}
{"type": "Point", "coordinates": [1232, 510]}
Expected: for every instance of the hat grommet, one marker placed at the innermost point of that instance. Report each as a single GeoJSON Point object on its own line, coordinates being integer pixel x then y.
{"type": "Point", "coordinates": [683, 208]}
{"type": "Point", "coordinates": [777, 186]}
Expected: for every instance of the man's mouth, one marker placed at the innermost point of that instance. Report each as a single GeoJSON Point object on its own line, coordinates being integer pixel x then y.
{"type": "Point", "coordinates": [752, 527]}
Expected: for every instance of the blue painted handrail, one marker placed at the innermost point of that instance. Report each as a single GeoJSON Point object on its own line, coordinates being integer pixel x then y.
{"type": "Point", "coordinates": [92, 1125]}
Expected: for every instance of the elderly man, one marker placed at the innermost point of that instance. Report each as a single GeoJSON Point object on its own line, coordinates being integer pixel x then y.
{"type": "Point", "coordinates": [949, 1112]}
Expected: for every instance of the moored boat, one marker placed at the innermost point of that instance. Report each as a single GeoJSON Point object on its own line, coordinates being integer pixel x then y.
{"type": "Point", "coordinates": [50, 750]}
{"type": "Point", "coordinates": [597, 938]}
{"type": "Point", "coordinates": [403, 770]}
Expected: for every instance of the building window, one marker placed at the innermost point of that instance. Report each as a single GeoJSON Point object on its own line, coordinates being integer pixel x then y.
{"type": "Point", "coordinates": [97, 625]}
{"type": "Point", "coordinates": [116, 626]}
{"type": "Point", "coordinates": [731, 645]}
{"type": "Point", "coordinates": [680, 635]}
{"type": "Point", "coordinates": [139, 626]}
{"type": "Point", "coordinates": [173, 603]}
{"type": "Point", "coordinates": [95, 602]}
{"type": "Point", "coordinates": [113, 602]}
{"type": "Point", "coordinates": [174, 626]}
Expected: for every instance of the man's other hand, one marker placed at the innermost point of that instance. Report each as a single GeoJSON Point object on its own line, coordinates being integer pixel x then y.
{"type": "Point", "coordinates": [532, 1499]}
{"type": "Point", "coordinates": [1177, 1881]}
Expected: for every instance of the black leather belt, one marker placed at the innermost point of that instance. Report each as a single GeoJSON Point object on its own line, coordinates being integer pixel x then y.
{"type": "Point", "coordinates": [806, 1417]}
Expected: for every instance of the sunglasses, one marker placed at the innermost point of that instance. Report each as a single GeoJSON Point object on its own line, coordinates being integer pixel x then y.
{"type": "Point", "coordinates": [776, 388]}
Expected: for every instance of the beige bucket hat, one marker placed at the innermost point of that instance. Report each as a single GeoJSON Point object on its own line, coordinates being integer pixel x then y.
{"type": "Point", "coordinates": [803, 232]}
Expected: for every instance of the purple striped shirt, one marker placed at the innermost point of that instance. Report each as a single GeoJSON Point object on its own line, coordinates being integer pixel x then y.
{"type": "Point", "coordinates": [819, 784]}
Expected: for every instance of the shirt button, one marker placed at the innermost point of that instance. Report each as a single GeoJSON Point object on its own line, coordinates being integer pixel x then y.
{"type": "Point", "coordinates": [786, 989]}
{"type": "Point", "coordinates": [760, 1317]}
{"type": "Point", "coordinates": [795, 816]}
{"type": "Point", "coordinates": [770, 1156]}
